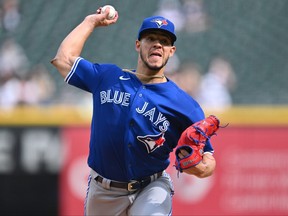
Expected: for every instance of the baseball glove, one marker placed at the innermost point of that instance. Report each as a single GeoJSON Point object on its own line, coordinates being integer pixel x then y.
{"type": "Point", "coordinates": [193, 140]}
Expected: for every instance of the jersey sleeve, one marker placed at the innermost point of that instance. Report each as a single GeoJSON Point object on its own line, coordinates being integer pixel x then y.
{"type": "Point", "coordinates": [79, 70]}
{"type": "Point", "coordinates": [87, 75]}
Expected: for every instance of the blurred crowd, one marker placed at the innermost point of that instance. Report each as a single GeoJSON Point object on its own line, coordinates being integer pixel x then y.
{"type": "Point", "coordinates": [22, 83]}
{"type": "Point", "coordinates": [213, 88]}
{"type": "Point", "coordinates": [188, 15]}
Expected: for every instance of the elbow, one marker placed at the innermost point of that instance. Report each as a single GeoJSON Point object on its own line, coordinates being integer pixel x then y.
{"type": "Point", "coordinates": [53, 61]}
{"type": "Point", "coordinates": [57, 62]}
{"type": "Point", "coordinates": [63, 65]}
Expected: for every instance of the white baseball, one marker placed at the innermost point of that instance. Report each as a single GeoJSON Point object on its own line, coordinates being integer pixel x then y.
{"type": "Point", "coordinates": [112, 11]}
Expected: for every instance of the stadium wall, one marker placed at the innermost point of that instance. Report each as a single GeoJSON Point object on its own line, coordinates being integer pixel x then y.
{"type": "Point", "coordinates": [43, 170]}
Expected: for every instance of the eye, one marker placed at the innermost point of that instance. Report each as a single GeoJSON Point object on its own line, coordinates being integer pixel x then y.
{"type": "Point", "coordinates": [149, 39]}
{"type": "Point", "coordinates": [165, 42]}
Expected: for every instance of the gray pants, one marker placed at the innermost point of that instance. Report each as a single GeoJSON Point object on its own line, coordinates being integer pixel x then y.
{"type": "Point", "coordinates": [154, 199]}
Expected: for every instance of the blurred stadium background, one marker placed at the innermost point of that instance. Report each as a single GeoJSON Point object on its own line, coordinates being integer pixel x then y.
{"type": "Point", "coordinates": [39, 113]}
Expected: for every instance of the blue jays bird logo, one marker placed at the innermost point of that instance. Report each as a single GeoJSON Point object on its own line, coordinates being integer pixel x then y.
{"type": "Point", "coordinates": [152, 142]}
{"type": "Point", "coordinates": [160, 22]}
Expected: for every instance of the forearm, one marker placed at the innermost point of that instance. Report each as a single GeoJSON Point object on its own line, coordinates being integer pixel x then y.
{"type": "Point", "coordinates": [205, 168]}
{"type": "Point", "coordinates": [71, 47]}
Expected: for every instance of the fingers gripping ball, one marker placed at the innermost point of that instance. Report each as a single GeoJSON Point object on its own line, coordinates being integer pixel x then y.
{"type": "Point", "coordinates": [112, 11]}
{"type": "Point", "coordinates": [190, 146]}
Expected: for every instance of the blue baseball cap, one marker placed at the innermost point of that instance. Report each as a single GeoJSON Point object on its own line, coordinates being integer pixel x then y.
{"type": "Point", "coordinates": [158, 23]}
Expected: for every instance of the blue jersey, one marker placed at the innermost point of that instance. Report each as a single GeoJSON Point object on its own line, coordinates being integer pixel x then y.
{"type": "Point", "coordinates": [135, 126]}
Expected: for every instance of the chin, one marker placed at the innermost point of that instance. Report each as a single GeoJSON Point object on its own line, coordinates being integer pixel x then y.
{"type": "Point", "coordinates": [155, 67]}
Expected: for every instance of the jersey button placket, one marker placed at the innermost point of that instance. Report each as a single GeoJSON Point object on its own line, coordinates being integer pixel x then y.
{"type": "Point", "coordinates": [140, 94]}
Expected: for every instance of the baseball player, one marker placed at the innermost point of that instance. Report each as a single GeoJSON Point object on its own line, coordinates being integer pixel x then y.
{"type": "Point", "coordinates": [138, 118]}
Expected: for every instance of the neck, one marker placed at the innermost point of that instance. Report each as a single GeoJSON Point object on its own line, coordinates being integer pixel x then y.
{"type": "Point", "coordinates": [148, 78]}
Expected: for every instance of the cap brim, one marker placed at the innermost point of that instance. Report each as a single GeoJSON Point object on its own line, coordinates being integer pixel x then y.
{"type": "Point", "coordinates": [172, 36]}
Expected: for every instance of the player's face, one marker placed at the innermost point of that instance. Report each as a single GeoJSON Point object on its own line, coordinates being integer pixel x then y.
{"type": "Point", "coordinates": [155, 49]}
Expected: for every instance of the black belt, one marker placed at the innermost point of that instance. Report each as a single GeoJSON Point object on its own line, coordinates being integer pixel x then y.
{"type": "Point", "coordinates": [133, 185]}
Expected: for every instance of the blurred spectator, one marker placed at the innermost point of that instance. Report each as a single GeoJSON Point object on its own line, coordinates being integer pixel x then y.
{"type": "Point", "coordinates": [172, 65]}
{"type": "Point", "coordinates": [13, 66]}
{"type": "Point", "coordinates": [10, 15]}
{"type": "Point", "coordinates": [188, 15]}
{"type": "Point", "coordinates": [171, 9]}
{"type": "Point", "coordinates": [13, 59]}
{"type": "Point", "coordinates": [69, 95]}
{"type": "Point", "coordinates": [10, 89]}
{"type": "Point", "coordinates": [217, 84]}
{"type": "Point", "coordinates": [196, 18]}
{"type": "Point", "coordinates": [36, 88]}
{"type": "Point", "coordinates": [188, 78]}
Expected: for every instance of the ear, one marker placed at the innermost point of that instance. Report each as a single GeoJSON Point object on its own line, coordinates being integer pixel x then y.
{"type": "Point", "coordinates": [137, 45]}
{"type": "Point", "coordinates": [172, 51]}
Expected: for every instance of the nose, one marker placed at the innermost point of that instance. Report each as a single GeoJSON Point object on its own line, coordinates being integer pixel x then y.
{"type": "Point", "coordinates": [157, 43]}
